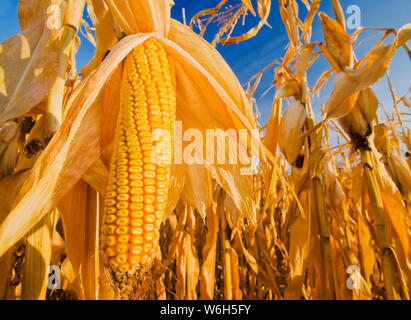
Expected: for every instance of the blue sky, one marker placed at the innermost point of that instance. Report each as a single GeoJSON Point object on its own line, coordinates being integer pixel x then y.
{"type": "Point", "coordinates": [249, 57]}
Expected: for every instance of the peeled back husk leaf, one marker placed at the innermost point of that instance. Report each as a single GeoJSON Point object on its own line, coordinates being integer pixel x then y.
{"type": "Point", "coordinates": [210, 59]}
{"type": "Point", "coordinates": [291, 125]}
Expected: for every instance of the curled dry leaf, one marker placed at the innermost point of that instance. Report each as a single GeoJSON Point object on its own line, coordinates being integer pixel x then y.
{"type": "Point", "coordinates": [28, 60]}
{"type": "Point", "coordinates": [264, 7]}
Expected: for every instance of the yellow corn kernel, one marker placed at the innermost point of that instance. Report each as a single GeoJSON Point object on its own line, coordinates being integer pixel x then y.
{"type": "Point", "coordinates": [122, 247]}
{"type": "Point", "coordinates": [124, 267]}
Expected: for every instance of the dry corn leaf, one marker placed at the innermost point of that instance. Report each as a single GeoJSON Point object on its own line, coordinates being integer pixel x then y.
{"type": "Point", "coordinates": [272, 134]}
{"type": "Point", "coordinates": [28, 60]}
{"type": "Point", "coordinates": [207, 12]}
{"type": "Point", "coordinates": [237, 293]}
{"type": "Point", "coordinates": [290, 88]}
{"type": "Point", "coordinates": [80, 223]}
{"type": "Point", "coordinates": [103, 22]}
{"type": "Point", "coordinates": [37, 254]}
{"type": "Point", "coordinates": [58, 247]}
{"type": "Point", "coordinates": [302, 60]}
{"type": "Point", "coordinates": [233, 215]}
{"type": "Point", "coordinates": [366, 245]}
{"type": "Point", "coordinates": [197, 191]}
{"type": "Point", "coordinates": [339, 13]}
{"type": "Point", "coordinates": [207, 274]}
{"type": "Point", "coordinates": [249, 6]}
{"type": "Point", "coordinates": [39, 134]}
{"type": "Point", "coordinates": [313, 8]}
{"type": "Point", "coordinates": [110, 104]}
{"type": "Point", "coordinates": [350, 82]}
{"type": "Point", "coordinates": [239, 188]}
{"type": "Point", "coordinates": [298, 252]}
{"type": "Point", "coordinates": [264, 7]}
{"type": "Point", "coordinates": [289, 20]}
{"type": "Point", "coordinates": [193, 265]}
{"type": "Point", "coordinates": [211, 60]}
{"type": "Point", "coordinates": [177, 180]}
{"type": "Point", "coordinates": [396, 218]}
{"type": "Point", "coordinates": [337, 40]}
{"type": "Point", "coordinates": [181, 268]}
{"type": "Point", "coordinates": [9, 148]}
{"type": "Point", "coordinates": [9, 188]}
{"type": "Point", "coordinates": [97, 177]}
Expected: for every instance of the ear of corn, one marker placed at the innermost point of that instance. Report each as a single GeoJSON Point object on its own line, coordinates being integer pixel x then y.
{"type": "Point", "coordinates": [136, 195]}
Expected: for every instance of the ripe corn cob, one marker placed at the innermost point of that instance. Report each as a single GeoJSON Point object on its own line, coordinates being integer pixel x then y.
{"type": "Point", "coordinates": [136, 195]}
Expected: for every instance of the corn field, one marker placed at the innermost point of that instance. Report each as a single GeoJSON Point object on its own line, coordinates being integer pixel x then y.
{"type": "Point", "coordinates": [103, 189]}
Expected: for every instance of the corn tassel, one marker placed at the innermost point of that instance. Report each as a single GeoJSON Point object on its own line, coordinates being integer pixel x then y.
{"type": "Point", "coordinates": [136, 195]}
